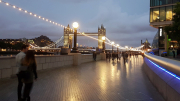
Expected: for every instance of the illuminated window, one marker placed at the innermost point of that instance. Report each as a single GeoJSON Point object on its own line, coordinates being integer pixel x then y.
{"type": "Point", "coordinates": [156, 15]}
{"type": "Point", "coordinates": [162, 14]}
{"type": "Point", "coordinates": [151, 15]}
{"type": "Point", "coordinates": [169, 13]}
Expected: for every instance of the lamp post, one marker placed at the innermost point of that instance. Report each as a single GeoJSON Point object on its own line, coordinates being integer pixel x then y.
{"type": "Point", "coordinates": [103, 38]}
{"type": "Point", "coordinates": [112, 46]}
{"type": "Point", "coordinates": [75, 26]}
{"type": "Point", "coordinates": [117, 48]}
{"type": "Point", "coordinates": [126, 47]}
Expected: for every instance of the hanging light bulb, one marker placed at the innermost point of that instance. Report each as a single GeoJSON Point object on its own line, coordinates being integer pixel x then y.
{"type": "Point", "coordinates": [39, 16]}
{"type": "Point", "coordinates": [7, 4]}
{"type": "Point", "coordinates": [30, 13]}
{"type": "Point", "coordinates": [0, 0]}
{"type": "Point", "coordinates": [20, 9]}
{"type": "Point", "coordinates": [25, 11]}
{"type": "Point", "coordinates": [14, 6]}
{"type": "Point", "coordinates": [35, 15]}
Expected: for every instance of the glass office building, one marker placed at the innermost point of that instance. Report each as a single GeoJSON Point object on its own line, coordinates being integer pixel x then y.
{"type": "Point", "coordinates": [162, 10]}
{"type": "Point", "coordinates": [162, 2]}
{"type": "Point", "coordinates": [161, 15]}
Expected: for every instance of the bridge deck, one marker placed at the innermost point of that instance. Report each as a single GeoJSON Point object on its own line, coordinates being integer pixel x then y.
{"type": "Point", "coordinates": [94, 81]}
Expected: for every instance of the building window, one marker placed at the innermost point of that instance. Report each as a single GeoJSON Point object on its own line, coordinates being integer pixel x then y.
{"type": "Point", "coordinates": [151, 15]}
{"type": "Point", "coordinates": [162, 14]}
{"type": "Point", "coordinates": [169, 13]}
{"type": "Point", "coordinates": [163, 2]}
{"type": "Point", "coordinates": [156, 15]}
{"type": "Point", "coordinates": [156, 3]}
{"type": "Point", "coordinates": [151, 3]}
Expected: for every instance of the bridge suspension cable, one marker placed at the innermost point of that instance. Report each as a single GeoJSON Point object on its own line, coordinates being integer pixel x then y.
{"type": "Point", "coordinates": [53, 22]}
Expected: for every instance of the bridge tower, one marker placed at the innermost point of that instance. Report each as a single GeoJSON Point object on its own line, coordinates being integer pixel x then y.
{"type": "Point", "coordinates": [101, 33]}
{"type": "Point", "coordinates": [67, 37]}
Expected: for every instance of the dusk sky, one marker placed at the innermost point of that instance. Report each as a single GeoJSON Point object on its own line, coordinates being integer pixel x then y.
{"type": "Point", "coordinates": [126, 21]}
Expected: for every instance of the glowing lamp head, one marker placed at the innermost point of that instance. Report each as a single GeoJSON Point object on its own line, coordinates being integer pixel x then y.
{"type": "Point", "coordinates": [103, 38]}
{"type": "Point", "coordinates": [112, 43]}
{"type": "Point", "coordinates": [117, 45]}
{"type": "Point", "coordinates": [126, 47]}
{"type": "Point", "coordinates": [75, 25]}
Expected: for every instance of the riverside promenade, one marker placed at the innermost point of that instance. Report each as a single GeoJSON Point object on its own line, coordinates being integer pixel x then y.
{"type": "Point", "coordinates": [92, 81]}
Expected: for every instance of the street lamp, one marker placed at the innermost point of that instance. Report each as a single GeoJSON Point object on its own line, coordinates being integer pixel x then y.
{"type": "Point", "coordinates": [117, 47]}
{"type": "Point", "coordinates": [112, 46]}
{"type": "Point", "coordinates": [126, 47]}
{"type": "Point", "coordinates": [103, 38]}
{"type": "Point", "coordinates": [75, 26]}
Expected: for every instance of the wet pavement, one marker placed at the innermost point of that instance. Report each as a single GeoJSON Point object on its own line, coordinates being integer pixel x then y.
{"type": "Point", "coordinates": [93, 81]}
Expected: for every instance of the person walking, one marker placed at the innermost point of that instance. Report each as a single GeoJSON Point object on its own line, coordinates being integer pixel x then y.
{"type": "Point", "coordinates": [94, 56]}
{"type": "Point", "coordinates": [19, 57]}
{"type": "Point", "coordinates": [119, 56]}
{"type": "Point", "coordinates": [28, 73]}
{"type": "Point", "coordinates": [173, 53]}
{"type": "Point", "coordinates": [124, 57]}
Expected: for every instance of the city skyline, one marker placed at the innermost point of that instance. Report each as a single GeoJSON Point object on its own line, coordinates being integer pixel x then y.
{"type": "Point", "coordinates": [125, 25]}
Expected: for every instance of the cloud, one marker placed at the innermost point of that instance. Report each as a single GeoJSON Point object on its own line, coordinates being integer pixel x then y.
{"type": "Point", "coordinates": [74, 1]}
{"type": "Point", "coordinates": [122, 27]}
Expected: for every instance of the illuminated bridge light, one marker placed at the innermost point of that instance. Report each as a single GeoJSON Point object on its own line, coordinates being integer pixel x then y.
{"type": "Point", "coordinates": [170, 73]}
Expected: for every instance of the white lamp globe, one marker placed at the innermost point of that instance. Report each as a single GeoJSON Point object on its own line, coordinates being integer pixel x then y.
{"type": "Point", "coordinates": [75, 25]}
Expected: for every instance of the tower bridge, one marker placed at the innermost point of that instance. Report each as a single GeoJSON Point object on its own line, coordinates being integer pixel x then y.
{"type": "Point", "coordinates": [68, 36]}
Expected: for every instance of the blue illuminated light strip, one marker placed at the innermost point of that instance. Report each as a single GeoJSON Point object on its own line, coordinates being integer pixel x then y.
{"type": "Point", "coordinates": [172, 74]}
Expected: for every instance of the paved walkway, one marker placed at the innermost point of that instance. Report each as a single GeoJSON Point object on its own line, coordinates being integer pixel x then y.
{"type": "Point", "coordinates": [94, 81]}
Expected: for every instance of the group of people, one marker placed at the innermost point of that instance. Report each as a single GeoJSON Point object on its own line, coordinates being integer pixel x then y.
{"type": "Point", "coordinates": [113, 55]}
{"type": "Point", "coordinates": [26, 72]}
{"type": "Point", "coordinates": [119, 55]}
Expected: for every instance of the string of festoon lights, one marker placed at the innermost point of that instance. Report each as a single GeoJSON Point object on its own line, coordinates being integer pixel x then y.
{"type": "Point", "coordinates": [57, 24]}
{"type": "Point", "coordinates": [32, 14]}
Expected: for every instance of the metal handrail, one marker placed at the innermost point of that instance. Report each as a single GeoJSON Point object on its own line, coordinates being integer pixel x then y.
{"type": "Point", "coordinates": [169, 64]}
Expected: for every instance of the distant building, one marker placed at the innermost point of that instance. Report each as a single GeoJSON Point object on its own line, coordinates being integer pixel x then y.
{"type": "Point", "coordinates": [155, 42]}
{"type": "Point", "coordinates": [146, 45]}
